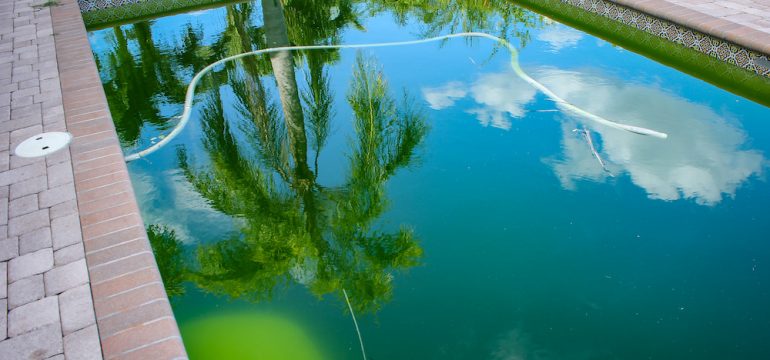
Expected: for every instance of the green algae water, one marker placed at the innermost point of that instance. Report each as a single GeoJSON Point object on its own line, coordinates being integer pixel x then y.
{"type": "Point", "coordinates": [247, 335]}
{"type": "Point", "coordinates": [454, 203]}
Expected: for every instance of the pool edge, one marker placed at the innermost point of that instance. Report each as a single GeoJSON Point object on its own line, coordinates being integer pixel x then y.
{"type": "Point", "coordinates": [674, 24]}
{"type": "Point", "coordinates": [133, 313]}
{"type": "Point", "coordinates": [637, 38]}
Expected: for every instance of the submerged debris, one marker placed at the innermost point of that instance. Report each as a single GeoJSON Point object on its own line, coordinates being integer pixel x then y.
{"type": "Point", "coordinates": [587, 135]}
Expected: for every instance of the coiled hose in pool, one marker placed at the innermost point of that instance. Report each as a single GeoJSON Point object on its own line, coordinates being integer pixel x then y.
{"type": "Point", "coordinates": [185, 117]}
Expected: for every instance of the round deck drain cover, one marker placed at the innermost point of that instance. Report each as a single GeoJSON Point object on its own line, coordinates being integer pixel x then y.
{"type": "Point", "coordinates": [43, 144]}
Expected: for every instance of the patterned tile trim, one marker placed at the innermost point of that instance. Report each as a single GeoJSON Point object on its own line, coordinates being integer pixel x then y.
{"type": "Point", "coordinates": [97, 13]}
{"type": "Point", "coordinates": [90, 5]}
{"type": "Point", "coordinates": [723, 50]}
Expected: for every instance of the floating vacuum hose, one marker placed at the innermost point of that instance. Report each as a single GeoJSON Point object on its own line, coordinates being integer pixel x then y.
{"type": "Point", "coordinates": [514, 65]}
{"type": "Point", "coordinates": [353, 315]}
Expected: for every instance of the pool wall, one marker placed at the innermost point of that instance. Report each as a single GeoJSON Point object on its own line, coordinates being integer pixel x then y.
{"type": "Point", "coordinates": [133, 313]}
{"type": "Point", "coordinates": [687, 28]}
{"type": "Point", "coordinates": [708, 58]}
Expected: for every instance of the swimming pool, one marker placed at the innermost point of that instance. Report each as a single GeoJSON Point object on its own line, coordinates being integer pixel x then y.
{"type": "Point", "coordinates": [451, 200]}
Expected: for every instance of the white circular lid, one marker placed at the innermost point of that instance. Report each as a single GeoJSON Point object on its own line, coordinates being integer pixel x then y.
{"type": "Point", "coordinates": [43, 144]}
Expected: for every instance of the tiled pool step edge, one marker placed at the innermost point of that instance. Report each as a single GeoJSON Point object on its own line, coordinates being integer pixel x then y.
{"type": "Point", "coordinates": [133, 313]}
{"type": "Point", "coordinates": [732, 43]}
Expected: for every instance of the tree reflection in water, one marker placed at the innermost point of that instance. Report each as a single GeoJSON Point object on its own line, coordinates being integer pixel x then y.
{"type": "Point", "coordinates": [295, 228]}
{"type": "Point", "coordinates": [259, 163]}
{"type": "Point", "coordinates": [257, 169]}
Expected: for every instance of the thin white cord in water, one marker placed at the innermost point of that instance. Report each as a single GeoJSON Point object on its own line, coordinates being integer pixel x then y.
{"type": "Point", "coordinates": [514, 65]}
{"type": "Point", "coordinates": [360, 339]}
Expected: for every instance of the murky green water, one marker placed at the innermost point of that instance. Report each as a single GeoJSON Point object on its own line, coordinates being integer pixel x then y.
{"type": "Point", "coordinates": [450, 199]}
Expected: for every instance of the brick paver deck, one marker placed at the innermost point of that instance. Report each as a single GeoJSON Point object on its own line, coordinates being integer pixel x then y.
{"type": "Point", "coordinates": [45, 293]}
{"type": "Point", "coordinates": [744, 22]}
{"type": "Point", "coordinates": [78, 279]}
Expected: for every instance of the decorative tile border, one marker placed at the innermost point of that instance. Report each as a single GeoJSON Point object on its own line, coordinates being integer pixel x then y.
{"type": "Point", "coordinates": [133, 314]}
{"type": "Point", "coordinates": [98, 13]}
{"type": "Point", "coordinates": [727, 51]}
{"type": "Point", "coordinates": [90, 5]}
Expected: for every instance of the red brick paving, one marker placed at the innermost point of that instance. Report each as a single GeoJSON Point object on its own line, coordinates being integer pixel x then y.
{"type": "Point", "coordinates": [127, 290]}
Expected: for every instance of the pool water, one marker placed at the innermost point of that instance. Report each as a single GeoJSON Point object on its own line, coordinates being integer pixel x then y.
{"type": "Point", "coordinates": [453, 202]}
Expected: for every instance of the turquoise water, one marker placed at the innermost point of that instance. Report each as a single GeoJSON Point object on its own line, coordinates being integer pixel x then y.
{"type": "Point", "coordinates": [468, 220]}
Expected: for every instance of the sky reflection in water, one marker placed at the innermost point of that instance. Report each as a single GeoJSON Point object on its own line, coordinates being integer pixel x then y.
{"type": "Point", "coordinates": [704, 158]}
{"type": "Point", "coordinates": [504, 241]}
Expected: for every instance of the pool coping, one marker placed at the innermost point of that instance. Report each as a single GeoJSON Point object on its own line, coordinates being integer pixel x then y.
{"type": "Point", "coordinates": [638, 38]}
{"type": "Point", "coordinates": [133, 313]}
{"type": "Point", "coordinates": [715, 26]}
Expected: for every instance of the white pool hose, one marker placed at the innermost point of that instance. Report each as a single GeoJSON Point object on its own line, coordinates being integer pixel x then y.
{"type": "Point", "coordinates": [352, 314]}
{"type": "Point", "coordinates": [514, 65]}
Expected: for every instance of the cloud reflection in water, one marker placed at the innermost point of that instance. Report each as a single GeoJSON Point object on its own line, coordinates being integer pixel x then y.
{"type": "Point", "coordinates": [559, 37]}
{"type": "Point", "coordinates": [704, 159]}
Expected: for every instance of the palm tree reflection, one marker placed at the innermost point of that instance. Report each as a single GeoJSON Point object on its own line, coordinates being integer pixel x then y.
{"type": "Point", "coordinates": [259, 162]}
{"type": "Point", "coordinates": [295, 229]}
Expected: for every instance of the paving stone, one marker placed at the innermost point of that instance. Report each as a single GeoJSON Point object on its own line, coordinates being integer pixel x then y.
{"type": "Point", "coordinates": [50, 84]}
{"type": "Point", "coordinates": [28, 222]}
{"type": "Point", "coordinates": [76, 309]}
{"type": "Point", "coordinates": [35, 240]}
{"type": "Point", "coordinates": [59, 174]}
{"type": "Point", "coordinates": [25, 291]}
{"type": "Point", "coordinates": [3, 319]}
{"type": "Point", "coordinates": [64, 209]}
{"type": "Point", "coordinates": [3, 280]}
{"type": "Point", "coordinates": [59, 156]}
{"type": "Point", "coordinates": [5, 138]}
{"type": "Point", "coordinates": [83, 344]}
{"type": "Point", "coordinates": [23, 173]}
{"type": "Point", "coordinates": [18, 162]}
{"type": "Point", "coordinates": [9, 248]}
{"type": "Point", "coordinates": [39, 344]}
{"type": "Point", "coordinates": [66, 231]}
{"type": "Point", "coordinates": [57, 195]}
{"type": "Point", "coordinates": [29, 84]}
{"type": "Point", "coordinates": [4, 211]}
{"type": "Point", "coordinates": [33, 316]}
{"type": "Point", "coordinates": [5, 109]}
{"type": "Point", "coordinates": [66, 277]}
{"type": "Point", "coordinates": [19, 135]}
{"type": "Point", "coordinates": [22, 205]}
{"type": "Point", "coordinates": [68, 254]}
{"type": "Point", "coordinates": [31, 186]}
{"type": "Point", "coordinates": [5, 160]}
{"type": "Point", "coordinates": [30, 264]}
